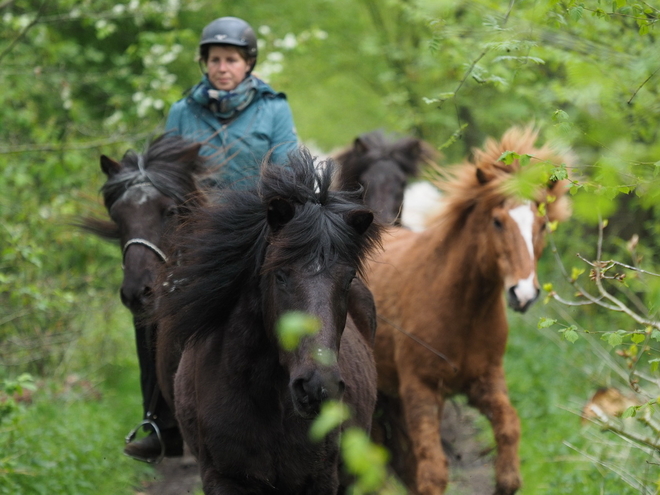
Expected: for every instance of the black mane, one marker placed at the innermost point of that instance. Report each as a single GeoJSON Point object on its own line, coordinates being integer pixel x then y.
{"type": "Point", "coordinates": [223, 246]}
{"type": "Point", "coordinates": [372, 147]}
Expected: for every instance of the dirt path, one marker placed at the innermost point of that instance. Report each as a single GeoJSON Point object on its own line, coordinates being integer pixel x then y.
{"type": "Point", "coordinates": [470, 462]}
{"type": "Point", "coordinates": [174, 476]}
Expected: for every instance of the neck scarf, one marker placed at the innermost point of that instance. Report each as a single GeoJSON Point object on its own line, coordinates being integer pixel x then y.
{"type": "Point", "coordinates": [225, 104]}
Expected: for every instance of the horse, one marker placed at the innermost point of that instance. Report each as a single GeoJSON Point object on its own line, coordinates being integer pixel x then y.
{"type": "Point", "coordinates": [146, 195]}
{"type": "Point", "coordinates": [442, 326]}
{"type": "Point", "coordinates": [243, 401]}
{"type": "Point", "coordinates": [382, 165]}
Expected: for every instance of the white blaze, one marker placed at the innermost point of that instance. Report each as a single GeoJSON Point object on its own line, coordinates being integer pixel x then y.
{"type": "Point", "coordinates": [141, 194]}
{"type": "Point", "coordinates": [523, 215]}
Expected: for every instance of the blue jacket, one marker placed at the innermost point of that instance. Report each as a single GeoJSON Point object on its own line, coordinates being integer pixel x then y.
{"type": "Point", "coordinates": [239, 145]}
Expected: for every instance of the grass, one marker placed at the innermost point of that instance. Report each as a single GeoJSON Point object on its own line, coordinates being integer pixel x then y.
{"type": "Point", "coordinates": [550, 380]}
{"type": "Point", "coordinates": [69, 438]}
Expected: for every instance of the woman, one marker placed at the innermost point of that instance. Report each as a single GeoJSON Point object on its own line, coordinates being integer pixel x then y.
{"type": "Point", "coordinates": [239, 117]}
{"type": "Point", "coordinates": [240, 120]}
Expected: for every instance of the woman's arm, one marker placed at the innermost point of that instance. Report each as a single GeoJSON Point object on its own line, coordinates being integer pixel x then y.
{"type": "Point", "coordinates": [283, 136]}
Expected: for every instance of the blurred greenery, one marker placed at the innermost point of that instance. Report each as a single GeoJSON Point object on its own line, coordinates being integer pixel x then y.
{"type": "Point", "coordinates": [82, 78]}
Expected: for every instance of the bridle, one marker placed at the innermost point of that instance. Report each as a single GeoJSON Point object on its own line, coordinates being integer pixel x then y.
{"type": "Point", "coordinates": [146, 182]}
{"type": "Point", "coordinates": [142, 242]}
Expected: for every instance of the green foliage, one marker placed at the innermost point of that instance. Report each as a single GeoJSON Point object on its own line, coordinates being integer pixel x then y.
{"type": "Point", "coordinates": [84, 78]}
{"type": "Point", "coordinates": [294, 326]}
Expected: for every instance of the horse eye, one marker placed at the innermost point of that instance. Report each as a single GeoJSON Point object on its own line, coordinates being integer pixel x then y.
{"type": "Point", "coordinates": [280, 277]}
{"type": "Point", "coordinates": [498, 224]}
{"type": "Point", "coordinates": [171, 211]}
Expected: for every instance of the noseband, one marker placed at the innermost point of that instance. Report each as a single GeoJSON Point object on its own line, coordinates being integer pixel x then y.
{"type": "Point", "coordinates": [142, 242]}
{"type": "Point", "coordinates": [138, 240]}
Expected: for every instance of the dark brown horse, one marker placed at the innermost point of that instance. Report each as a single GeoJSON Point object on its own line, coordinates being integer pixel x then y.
{"type": "Point", "coordinates": [146, 195]}
{"type": "Point", "coordinates": [382, 166]}
{"type": "Point", "coordinates": [442, 326]}
{"type": "Point", "coordinates": [243, 402]}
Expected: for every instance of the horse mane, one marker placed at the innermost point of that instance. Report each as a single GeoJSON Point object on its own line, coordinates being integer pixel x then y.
{"type": "Point", "coordinates": [167, 165]}
{"type": "Point", "coordinates": [485, 178]}
{"type": "Point", "coordinates": [223, 246]}
{"type": "Point", "coordinates": [374, 146]}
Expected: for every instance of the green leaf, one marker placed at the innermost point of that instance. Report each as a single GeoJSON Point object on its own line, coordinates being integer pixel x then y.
{"type": "Point", "coordinates": [614, 338]}
{"type": "Point", "coordinates": [570, 333]}
{"type": "Point", "coordinates": [576, 272]}
{"type": "Point", "coordinates": [332, 415]}
{"type": "Point", "coordinates": [655, 334]}
{"type": "Point", "coordinates": [631, 412]}
{"type": "Point", "coordinates": [546, 322]}
{"type": "Point", "coordinates": [575, 13]}
{"type": "Point", "coordinates": [508, 157]}
{"type": "Point", "coordinates": [638, 338]}
{"type": "Point", "coordinates": [293, 326]}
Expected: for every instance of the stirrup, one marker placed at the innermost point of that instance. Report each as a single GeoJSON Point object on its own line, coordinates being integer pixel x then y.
{"type": "Point", "coordinates": [133, 433]}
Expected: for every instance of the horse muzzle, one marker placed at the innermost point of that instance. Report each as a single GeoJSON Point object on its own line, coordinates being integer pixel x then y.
{"type": "Point", "coordinates": [519, 300]}
{"type": "Point", "coordinates": [310, 390]}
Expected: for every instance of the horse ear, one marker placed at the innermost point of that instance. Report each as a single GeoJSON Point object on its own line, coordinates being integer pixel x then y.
{"type": "Point", "coordinates": [360, 220]}
{"type": "Point", "coordinates": [109, 166]}
{"type": "Point", "coordinates": [280, 212]}
{"type": "Point", "coordinates": [360, 146]}
{"type": "Point", "coordinates": [190, 154]}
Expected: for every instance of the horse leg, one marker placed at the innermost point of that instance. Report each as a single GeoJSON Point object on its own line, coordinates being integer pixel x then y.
{"type": "Point", "coordinates": [490, 396]}
{"type": "Point", "coordinates": [421, 406]}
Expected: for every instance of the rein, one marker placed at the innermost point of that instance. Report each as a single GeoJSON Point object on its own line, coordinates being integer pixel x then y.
{"type": "Point", "coordinates": [419, 341]}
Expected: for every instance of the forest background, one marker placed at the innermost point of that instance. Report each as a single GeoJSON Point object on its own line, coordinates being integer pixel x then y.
{"type": "Point", "coordinates": [85, 78]}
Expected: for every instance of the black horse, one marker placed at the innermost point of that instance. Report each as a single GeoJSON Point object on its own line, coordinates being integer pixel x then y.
{"type": "Point", "coordinates": [146, 195]}
{"type": "Point", "coordinates": [245, 404]}
{"type": "Point", "coordinates": [382, 165]}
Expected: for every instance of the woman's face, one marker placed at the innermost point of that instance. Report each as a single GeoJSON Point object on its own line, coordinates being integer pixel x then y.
{"type": "Point", "coordinates": [225, 66]}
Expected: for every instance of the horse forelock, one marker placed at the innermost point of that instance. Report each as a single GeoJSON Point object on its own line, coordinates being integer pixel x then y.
{"type": "Point", "coordinates": [318, 233]}
{"type": "Point", "coordinates": [164, 165]}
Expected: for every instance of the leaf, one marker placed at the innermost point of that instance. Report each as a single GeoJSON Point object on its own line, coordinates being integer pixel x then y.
{"type": "Point", "coordinates": [576, 272]}
{"type": "Point", "coordinates": [630, 412]}
{"type": "Point", "coordinates": [570, 333]}
{"type": "Point", "coordinates": [655, 334]}
{"type": "Point", "coordinates": [546, 322]}
{"type": "Point", "coordinates": [612, 338]}
{"type": "Point", "coordinates": [575, 13]}
{"type": "Point", "coordinates": [548, 287]}
{"type": "Point", "coordinates": [508, 157]}
{"type": "Point", "coordinates": [638, 338]}
{"type": "Point", "coordinates": [332, 415]}
{"type": "Point", "coordinates": [293, 326]}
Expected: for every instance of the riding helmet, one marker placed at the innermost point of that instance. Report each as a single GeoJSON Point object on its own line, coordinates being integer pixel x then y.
{"type": "Point", "coordinates": [230, 31]}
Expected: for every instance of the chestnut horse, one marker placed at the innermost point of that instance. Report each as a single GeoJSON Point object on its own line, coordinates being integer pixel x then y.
{"type": "Point", "coordinates": [243, 402]}
{"type": "Point", "coordinates": [442, 326]}
{"type": "Point", "coordinates": [382, 166]}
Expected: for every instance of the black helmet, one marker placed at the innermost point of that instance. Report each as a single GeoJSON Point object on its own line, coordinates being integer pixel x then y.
{"type": "Point", "coordinates": [229, 31]}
